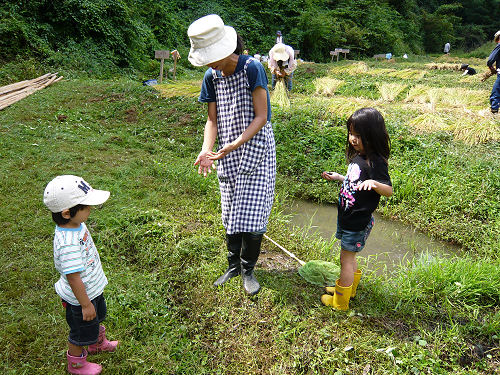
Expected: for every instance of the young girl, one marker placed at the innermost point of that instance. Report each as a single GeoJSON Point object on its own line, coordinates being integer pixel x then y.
{"type": "Point", "coordinates": [239, 117]}
{"type": "Point", "coordinates": [367, 150]}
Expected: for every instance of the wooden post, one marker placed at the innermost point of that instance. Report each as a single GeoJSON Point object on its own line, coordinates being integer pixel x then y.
{"type": "Point", "coordinates": [162, 54]}
{"type": "Point", "coordinates": [175, 55]}
{"type": "Point", "coordinates": [338, 50]}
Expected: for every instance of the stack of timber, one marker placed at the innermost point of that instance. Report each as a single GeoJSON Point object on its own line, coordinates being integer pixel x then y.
{"type": "Point", "coordinates": [12, 93]}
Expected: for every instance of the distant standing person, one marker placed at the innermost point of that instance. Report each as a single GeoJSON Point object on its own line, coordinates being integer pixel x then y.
{"type": "Point", "coordinates": [282, 63]}
{"type": "Point", "coordinates": [239, 116]}
{"type": "Point", "coordinates": [367, 178]}
{"type": "Point", "coordinates": [494, 58]}
{"type": "Point", "coordinates": [447, 48]}
{"type": "Point", "coordinates": [279, 37]}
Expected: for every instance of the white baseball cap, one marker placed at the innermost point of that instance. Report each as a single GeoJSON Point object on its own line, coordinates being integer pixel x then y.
{"type": "Point", "coordinates": [67, 191]}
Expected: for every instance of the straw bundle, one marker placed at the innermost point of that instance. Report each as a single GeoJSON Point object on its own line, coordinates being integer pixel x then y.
{"type": "Point", "coordinates": [408, 74]}
{"type": "Point", "coordinates": [443, 66]}
{"type": "Point", "coordinates": [477, 129]}
{"type": "Point", "coordinates": [356, 68]}
{"type": "Point", "coordinates": [13, 93]}
{"type": "Point", "coordinates": [484, 76]}
{"type": "Point", "coordinates": [344, 107]}
{"type": "Point", "coordinates": [429, 122]}
{"type": "Point", "coordinates": [389, 91]}
{"type": "Point", "coordinates": [448, 96]}
{"type": "Point", "coordinates": [327, 86]}
{"type": "Point", "coordinates": [280, 94]}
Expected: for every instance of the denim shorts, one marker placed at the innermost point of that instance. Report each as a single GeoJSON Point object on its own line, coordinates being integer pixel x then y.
{"type": "Point", "coordinates": [81, 332]}
{"type": "Point", "coordinates": [354, 240]}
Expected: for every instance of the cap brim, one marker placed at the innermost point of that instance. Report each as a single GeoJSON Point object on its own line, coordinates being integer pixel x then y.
{"type": "Point", "coordinates": [96, 197]}
{"type": "Point", "coordinates": [216, 51]}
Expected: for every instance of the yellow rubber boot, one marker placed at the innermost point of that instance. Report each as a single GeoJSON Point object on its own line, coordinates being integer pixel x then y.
{"type": "Point", "coordinates": [340, 299]}
{"type": "Point", "coordinates": [357, 277]}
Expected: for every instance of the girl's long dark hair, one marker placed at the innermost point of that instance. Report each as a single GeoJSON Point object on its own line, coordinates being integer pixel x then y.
{"type": "Point", "coordinates": [370, 125]}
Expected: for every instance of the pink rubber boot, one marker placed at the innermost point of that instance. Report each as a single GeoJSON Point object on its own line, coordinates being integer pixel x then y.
{"type": "Point", "coordinates": [103, 344]}
{"type": "Point", "coordinates": [80, 366]}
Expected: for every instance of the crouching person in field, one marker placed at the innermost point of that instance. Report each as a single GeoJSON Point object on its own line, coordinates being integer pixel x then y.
{"type": "Point", "coordinates": [82, 280]}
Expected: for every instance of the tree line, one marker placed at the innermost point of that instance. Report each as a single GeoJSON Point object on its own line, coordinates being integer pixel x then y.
{"type": "Point", "coordinates": [125, 33]}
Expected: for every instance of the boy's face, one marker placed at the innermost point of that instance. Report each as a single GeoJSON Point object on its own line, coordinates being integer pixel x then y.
{"type": "Point", "coordinates": [80, 217]}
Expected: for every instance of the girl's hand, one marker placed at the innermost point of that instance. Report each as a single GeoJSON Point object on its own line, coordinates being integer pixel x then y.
{"type": "Point", "coordinates": [88, 312]}
{"type": "Point", "coordinates": [222, 152]}
{"type": "Point", "coordinates": [332, 176]}
{"type": "Point", "coordinates": [204, 163]}
{"type": "Point", "coordinates": [368, 185]}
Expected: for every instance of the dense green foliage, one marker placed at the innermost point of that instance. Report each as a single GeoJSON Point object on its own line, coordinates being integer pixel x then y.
{"type": "Point", "coordinates": [125, 33]}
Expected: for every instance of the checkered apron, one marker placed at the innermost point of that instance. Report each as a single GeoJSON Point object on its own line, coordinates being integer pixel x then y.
{"type": "Point", "coordinates": [247, 174]}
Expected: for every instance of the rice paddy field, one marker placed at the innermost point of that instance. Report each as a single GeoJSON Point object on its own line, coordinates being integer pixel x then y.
{"type": "Point", "coordinates": [161, 239]}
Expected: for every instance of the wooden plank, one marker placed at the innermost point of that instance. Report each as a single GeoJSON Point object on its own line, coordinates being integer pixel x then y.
{"type": "Point", "coordinates": [21, 84]}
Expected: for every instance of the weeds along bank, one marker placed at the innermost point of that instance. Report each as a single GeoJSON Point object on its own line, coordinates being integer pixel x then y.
{"type": "Point", "coordinates": [161, 239]}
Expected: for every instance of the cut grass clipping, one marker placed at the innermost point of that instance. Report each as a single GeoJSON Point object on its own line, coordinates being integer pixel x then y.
{"type": "Point", "coordinates": [280, 94]}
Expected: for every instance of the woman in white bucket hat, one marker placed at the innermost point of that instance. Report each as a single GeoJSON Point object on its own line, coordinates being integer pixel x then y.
{"type": "Point", "coordinates": [239, 117]}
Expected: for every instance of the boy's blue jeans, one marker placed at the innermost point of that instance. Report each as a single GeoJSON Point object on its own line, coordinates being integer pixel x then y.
{"type": "Point", "coordinates": [495, 95]}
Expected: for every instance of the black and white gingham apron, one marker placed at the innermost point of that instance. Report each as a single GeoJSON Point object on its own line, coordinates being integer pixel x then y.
{"type": "Point", "coordinates": [247, 174]}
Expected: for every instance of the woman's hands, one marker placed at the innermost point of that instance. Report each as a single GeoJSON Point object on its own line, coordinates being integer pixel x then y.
{"type": "Point", "coordinates": [332, 176]}
{"type": "Point", "coordinates": [222, 152]}
{"type": "Point", "coordinates": [204, 163]}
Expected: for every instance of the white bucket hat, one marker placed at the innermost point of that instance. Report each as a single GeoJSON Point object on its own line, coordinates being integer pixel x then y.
{"type": "Point", "coordinates": [64, 192]}
{"type": "Point", "coordinates": [497, 36]}
{"type": "Point", "coordinates": [279, 52]}
{"type": "Point", "coordinates": [210, 40]}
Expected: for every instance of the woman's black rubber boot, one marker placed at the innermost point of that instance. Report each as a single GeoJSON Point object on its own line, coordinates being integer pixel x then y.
{"type": "Point", "coordinates": [234, 242]}
{"type": "Point", "coordinates": [249, 254]}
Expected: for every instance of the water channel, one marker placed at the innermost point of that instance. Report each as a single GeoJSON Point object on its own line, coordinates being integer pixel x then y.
{"type": "Point", "coordinates": [390, 243]}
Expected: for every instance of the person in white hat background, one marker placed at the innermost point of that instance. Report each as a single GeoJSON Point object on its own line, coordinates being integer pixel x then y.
{"type": "Point", "coordinates": [494, 59]}
{"type": "Point", "coordinates": [239, 118]}
{"type": "Point", "coordinates": [82, 280]}
{"type": "Point", "coordinates": [282, 63]}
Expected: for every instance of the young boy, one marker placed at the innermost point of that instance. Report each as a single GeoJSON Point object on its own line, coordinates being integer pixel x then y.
{"type": "Point", "coordinates": [82, 280]}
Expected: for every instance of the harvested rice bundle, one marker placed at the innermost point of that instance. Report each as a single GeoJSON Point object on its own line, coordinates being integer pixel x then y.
{"type": "Point", "coordinates": [280, 94]}
{"type": "Point", "coordinates": [430, 122]}
{"type": "Point", "coordinates": [389, 91]}
{"type": "Point", "coordinates": [448, 96]}
{"type": "Point", "coordinates": [408, 74]}
{"type": "Point", "coordinates": [380, 71]}
{"type": "Point", "coordinates": [418, 94]}
{"type": "Point", "coordinates": [477, 129]}
{"type": "Point", "coordinates": [344, 107]}
{"type": "Point", "coordinates": [487, 74]}
{"type": "Point", "coordinates": [352, 69]}
{"type": "Point", "coordinates": [443, 66]}
{"type": "Point", "coordinates": [327, 86]}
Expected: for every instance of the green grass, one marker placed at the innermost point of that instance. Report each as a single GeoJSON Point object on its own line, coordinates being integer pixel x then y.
{"type": "Point", "coordinates": [161, 241]}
